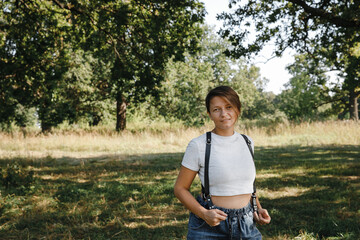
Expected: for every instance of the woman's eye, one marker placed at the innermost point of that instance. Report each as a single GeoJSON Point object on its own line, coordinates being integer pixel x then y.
{"type": "Point", "coordinates": [229, 107]}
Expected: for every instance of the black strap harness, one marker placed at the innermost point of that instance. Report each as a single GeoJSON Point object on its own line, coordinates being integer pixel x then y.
{"type": "Point", "coordinates": [205, 190]}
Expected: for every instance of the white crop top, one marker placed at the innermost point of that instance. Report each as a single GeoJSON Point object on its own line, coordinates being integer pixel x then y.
{"type": "Point", "coordinates": [231, 167]}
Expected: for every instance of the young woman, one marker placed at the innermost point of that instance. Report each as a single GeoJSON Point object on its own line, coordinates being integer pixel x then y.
{"type": "Point", "coordinates": [227, 212]}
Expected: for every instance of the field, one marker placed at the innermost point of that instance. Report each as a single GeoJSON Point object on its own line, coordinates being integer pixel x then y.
{"type": "Point", "coordinates": [103, 185]}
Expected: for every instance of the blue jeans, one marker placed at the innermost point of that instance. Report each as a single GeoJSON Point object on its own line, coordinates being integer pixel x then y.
{"type": "Point", "coordinates": [238, 225]}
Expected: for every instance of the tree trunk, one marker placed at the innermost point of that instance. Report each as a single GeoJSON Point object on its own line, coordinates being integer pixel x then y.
{"type": "Point", "coordinates": [121, 113]}
{"type": "Point", "coordinates": [353, 106]}
{"type": "Point", "coordinates": [45, 126]}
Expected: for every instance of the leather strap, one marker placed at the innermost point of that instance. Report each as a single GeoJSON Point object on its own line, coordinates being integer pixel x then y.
{"type": "Point", "coordinates": [206, 189]}
{"type": "Point", "coordinates": [207, 159]}
{"type": "Point", "coordinates": [253, 195]}
{"type": "Point", "coordinates": [252, 154]}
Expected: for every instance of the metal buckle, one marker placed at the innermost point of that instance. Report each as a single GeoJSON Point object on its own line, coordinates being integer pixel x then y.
{"type": "Point", "coordinates": [254, 205]}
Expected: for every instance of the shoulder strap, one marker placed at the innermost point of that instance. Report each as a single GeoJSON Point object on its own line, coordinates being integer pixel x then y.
{"type": "Point", "coordinates": [253, 195]}
{"type": "Point", "coordinates": [207, 158]}
{"type": "Point", "coordinates": [249, 145]}
{"type": "Point", "coordinates": [252, 154]}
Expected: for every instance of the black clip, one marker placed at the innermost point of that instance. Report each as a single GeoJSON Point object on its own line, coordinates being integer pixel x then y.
{"type": "Point", "coordinates": [254, 205]}
{"type": "Point", "coordinates": [210, 203]}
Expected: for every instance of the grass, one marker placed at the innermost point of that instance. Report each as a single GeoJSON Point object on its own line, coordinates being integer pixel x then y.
{"type": "Point", "coordinates": [92, 185]}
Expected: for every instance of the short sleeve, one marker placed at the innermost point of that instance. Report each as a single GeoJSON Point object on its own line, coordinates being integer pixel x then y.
{"type": "Point", "coordinates": [191, 157]}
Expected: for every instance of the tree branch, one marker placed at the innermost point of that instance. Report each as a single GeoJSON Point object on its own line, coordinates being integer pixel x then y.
{"type": "Point", "coordinates": [330, 17]}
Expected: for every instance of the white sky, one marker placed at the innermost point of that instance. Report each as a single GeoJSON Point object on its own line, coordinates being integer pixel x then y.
{"type": "Point", "coordinates": [274, 69]}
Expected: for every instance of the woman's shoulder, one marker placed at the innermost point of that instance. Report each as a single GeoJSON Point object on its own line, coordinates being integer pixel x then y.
{"type": "Point", "coordinates": [196, 144]}
{"type": "Point", "coordinates": [199, 140]}
{"type": "Point", "coordinates": [241, 136]}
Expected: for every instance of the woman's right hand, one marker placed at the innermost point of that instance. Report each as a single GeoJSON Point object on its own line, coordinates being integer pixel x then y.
{"type": "Point", "coordinates": [213, 217]}
{"type": "Point", "coordinates": [186, 176]}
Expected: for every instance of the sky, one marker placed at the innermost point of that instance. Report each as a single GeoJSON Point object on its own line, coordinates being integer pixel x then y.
{"type": "Point", "coordinates": [273, 69]}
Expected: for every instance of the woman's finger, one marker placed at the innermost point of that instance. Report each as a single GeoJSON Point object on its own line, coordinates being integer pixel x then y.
{"type": "Point", "coordinates": [221, 215]}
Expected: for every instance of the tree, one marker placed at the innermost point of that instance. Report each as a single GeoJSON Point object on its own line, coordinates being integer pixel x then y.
{"type": "Point", "coordinates": [187, 82]}
{"type": "Point", "coordinates": [33, 58]}
{"type": "Point", "coordinates": [184, 90]}
{"type": "Point", "coordinates": [242, 77]}
{"type": "Point", "coordinates": [306, 92]}
{"type": "Point", "coordinates": [134, 38]}
{"type": "Point", "coordinates": [83, 93]}
{"type": "Point", "coordinates": [143, 35]}
{"type": "Point", "coordinates": [326, 30]}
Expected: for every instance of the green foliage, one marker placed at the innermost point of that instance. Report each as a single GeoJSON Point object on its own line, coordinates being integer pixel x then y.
{"type": "Point", "coordinates": [82, 94]}
{"type": "Point", "coordinates": [244, 78]}
{"type": "Point", "coordinates": [16, 178]}
{"type": "Point", "coordinates": [182, 94]}
{"type": "Point", "coordinates": [33, 57]}
{"type": "Point", "coordinates": [248, 83]}
{"type": "Point", "coordinates": [65, 63]}
{"type": "Point", "coordinates": [45, 59]}
{"type": "Point", "coordinates": [25, 116]}
{"type": "Point", "coordinates": [306, 95]}
{"type": "Point", "coordinates": [20, 117]}
{"type": "Point", "coordinates": [302, 25]}
{"type": "Point", "coordinates": [184, 91]}
{"type": "Point", "coordinates": [263, 105]}
{"type": "Point", "coordinates": [327, 30]}
{"type": "Point", "coordinates": [153, 33]}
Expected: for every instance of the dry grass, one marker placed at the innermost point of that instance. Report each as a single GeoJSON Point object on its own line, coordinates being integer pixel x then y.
{"type": "Point", "coordinates": [167, 140]}
{"type": "Point", "coordinates": [308, 134]}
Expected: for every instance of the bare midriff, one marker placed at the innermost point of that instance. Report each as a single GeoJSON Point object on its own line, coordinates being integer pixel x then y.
{"type": "Point", "coordinates": [231, 202]}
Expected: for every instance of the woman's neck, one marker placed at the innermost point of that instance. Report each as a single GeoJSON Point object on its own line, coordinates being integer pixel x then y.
{"type": "Point", "coordinates": [223, 132]}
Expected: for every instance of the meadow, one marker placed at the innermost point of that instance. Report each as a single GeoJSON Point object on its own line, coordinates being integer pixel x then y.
{"type": "Point", "coordinates": [99, 184]}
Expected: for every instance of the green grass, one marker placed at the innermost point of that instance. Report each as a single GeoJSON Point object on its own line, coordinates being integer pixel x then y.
{"type": "Point", "coordinates": [310, 192]}
{"type": "Point", "coordinates": [93, 185]}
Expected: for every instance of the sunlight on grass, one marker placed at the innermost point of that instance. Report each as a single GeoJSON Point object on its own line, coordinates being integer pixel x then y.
{"type": "Point", "coordinates": [267, 175]}
{"type": "Point", "coordinates": [42, 204]}
{"type": "Point", "coordinates": [120, 186]}
{"type": "Point", "coordinates": [283, 192]}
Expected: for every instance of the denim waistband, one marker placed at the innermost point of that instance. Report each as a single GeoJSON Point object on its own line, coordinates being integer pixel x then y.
{"type": "Point", "coordinates": [229, 211]}
{"type": "Point", "coordinates": [237, 211]}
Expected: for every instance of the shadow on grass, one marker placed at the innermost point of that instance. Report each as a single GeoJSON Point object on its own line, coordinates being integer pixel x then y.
{"type": "Point", "coordinates": [324, 190]}
{"type": "Point", "coordinates": [306, 189]}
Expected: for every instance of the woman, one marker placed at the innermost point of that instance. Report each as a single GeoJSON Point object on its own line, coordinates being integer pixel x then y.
{"type": "Point", "coordinates": [226, 213]}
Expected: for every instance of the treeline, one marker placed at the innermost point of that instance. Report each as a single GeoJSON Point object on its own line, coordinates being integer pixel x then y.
{"type": "Point", "coordinates": [96, 62]}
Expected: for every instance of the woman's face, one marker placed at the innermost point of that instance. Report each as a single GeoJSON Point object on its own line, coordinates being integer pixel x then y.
{"type": "Point", "coordinates": [223, 114]}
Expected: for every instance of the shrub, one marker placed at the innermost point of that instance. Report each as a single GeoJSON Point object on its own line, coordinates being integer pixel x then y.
{"type": "Point", "coordinates": [15, 178]}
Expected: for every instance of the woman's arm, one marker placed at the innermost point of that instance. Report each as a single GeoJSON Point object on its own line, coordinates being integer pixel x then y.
{"type": "Point", "coordinates": [181, 190]}
{"type": "Point", "coordinates": [263, 217]}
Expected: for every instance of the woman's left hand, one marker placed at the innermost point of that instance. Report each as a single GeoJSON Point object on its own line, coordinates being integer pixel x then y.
{"type": "Point", "coordinates": [263, 217]}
